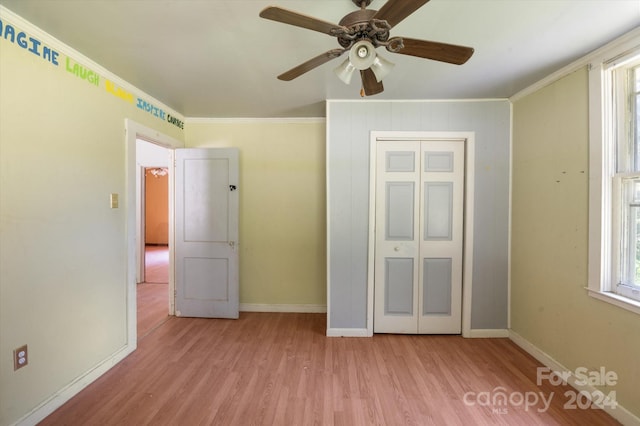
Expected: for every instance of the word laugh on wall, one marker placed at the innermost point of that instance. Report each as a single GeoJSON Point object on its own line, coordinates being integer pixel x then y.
{"type": "Point", "coordinates": [31, 44]}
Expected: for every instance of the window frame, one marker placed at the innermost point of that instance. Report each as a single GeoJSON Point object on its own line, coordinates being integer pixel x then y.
{"type": "Point", "coordinates": [604, 180]}
{"type": "Point", "coordinates": [626, 178]}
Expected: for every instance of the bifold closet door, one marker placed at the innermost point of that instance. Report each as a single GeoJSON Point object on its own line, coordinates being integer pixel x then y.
{"type": "Point", "coordinates": [419, 236]}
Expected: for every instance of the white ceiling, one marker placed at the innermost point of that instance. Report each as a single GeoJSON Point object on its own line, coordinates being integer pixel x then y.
{"type": "Point", "coordinates": [217, 58]}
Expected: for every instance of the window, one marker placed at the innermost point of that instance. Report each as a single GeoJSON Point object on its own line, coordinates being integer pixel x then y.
{"type": "Point", "coordinates": [614, 192]}
{"type": "Point", "coordinates": [626, 180]}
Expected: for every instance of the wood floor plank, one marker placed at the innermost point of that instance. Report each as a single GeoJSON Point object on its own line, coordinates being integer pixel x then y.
{"type": "Point", "coordinates": [153, 306]}
{"type": "Point", "coordinates": [281, 369]}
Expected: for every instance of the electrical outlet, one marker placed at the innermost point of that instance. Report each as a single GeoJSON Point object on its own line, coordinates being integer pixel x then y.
{"type": "Point", "coordinates": [20, 357]}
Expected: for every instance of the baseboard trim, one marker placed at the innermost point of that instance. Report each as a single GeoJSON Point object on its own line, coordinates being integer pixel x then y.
{"type": "Point", "coordinates": [488, 333]}
{"type": "Point", "coordinates": [619, 413]}
{"type": "Point", "coordinates": [363, 332]}
{"type": "Point", "coordinates": [264, 307]}
{"type": "Point", "coordinates": [54, 402]}
{"type": "Point", "coordinates": [348, 332]}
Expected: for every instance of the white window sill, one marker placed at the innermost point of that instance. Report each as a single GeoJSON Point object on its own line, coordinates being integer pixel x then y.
{"type": "Point", "coordinates": [616, 299]}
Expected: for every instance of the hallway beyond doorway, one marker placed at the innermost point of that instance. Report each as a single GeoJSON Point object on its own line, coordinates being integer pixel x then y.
{"type": "Point", "coordinates": [156, 264]}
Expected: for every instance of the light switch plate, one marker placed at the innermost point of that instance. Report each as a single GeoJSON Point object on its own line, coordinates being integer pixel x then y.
{"type": "Point", "coordinates": [113, 199]}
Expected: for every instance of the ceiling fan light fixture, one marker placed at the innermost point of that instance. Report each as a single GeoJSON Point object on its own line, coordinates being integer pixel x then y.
{"type": "Point", "coordinates": [362, 54]}
{"type": "Point", "coordinates": [381, 67]}
{"type": "Point", "coordinates": [345, 71]}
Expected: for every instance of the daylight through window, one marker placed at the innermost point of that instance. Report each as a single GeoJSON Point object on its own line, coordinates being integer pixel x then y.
{"type": "Point", "coordinates": [626, 181]}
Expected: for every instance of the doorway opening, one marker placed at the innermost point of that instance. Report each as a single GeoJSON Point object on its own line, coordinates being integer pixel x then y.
{"type": "Point", "coordinates": [153, 282]}
{"type": "Point", "coordinates": [222, 181]}
{"type": "Point", "coordinates": [145, 147]}
{"type": "Point", "coordinates": [155, 224]}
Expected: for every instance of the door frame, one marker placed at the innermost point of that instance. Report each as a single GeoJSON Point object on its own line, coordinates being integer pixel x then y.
{"type": "Point", "coordinates": [467, 250]}
{"type": "Point", "coordinates": [141, 194]}
{"type": "Point", "coordinates": [133, 132]}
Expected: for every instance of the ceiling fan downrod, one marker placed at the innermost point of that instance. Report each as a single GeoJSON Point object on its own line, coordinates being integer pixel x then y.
{"type": "Point", "coordinates": [361, 3]}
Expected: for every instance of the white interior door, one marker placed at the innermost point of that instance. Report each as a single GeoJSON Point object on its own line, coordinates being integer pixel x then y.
{"type": "Point", "coordinates": [419, 237]}
{"type": "Point", "coordinates": [206, 233]}
{"type": "Point", "coordinates": [397, 240]}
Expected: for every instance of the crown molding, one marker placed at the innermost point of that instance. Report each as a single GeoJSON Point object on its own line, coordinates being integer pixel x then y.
{"type": "Point", "coordinates": [249, 120]}
{"type": "Point", "coordinates": [420, 100]}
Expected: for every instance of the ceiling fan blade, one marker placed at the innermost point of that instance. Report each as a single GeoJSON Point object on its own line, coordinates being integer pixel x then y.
{"type": "Point", "coordinates": [299, 20]}
{"type": "Point", "coordinates": [370, 84]}
{"type": "Point", "coordinates": [394, 11]}
{"type": "Point", "coordinates": [310, 64]}
{"type": "Point", "coordinates": [442, 52]}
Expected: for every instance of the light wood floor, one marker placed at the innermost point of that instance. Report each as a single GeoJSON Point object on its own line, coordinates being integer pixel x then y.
{"type": "Point", "coordinates": [152, 308]}
{"type": "Point", "coordinates": [153, 294]}
{"type": "Point", "coordinates": [156, 264]}
{"type": "Point", "coordinates": [280, 369]}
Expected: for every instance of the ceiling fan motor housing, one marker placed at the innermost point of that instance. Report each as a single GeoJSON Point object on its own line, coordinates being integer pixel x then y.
{"type": "Point", "coordinates": [360, 25]}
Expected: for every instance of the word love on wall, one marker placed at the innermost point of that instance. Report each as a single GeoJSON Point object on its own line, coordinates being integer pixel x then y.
{"type": "Point", "coordinates": [10, 34]}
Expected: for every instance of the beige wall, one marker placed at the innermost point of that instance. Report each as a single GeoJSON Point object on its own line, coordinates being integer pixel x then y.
{"type": "Point", "coordinates": [549, 305]}
{"type": "Point", "coordinates": [62, 249]}
{"type": "Point", "coordinates": [282, 207]}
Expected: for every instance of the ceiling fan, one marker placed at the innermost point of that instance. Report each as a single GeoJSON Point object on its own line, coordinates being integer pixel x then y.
{"type": "Point", "coordinates": [360, 33]}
